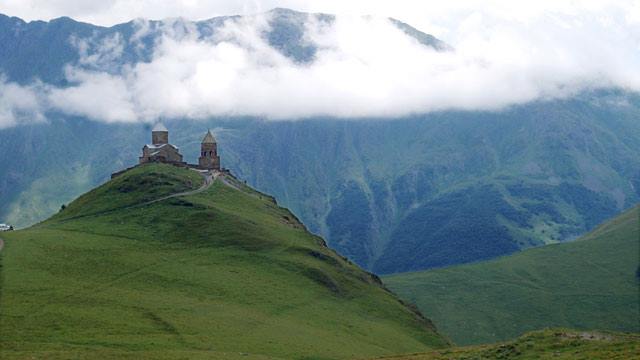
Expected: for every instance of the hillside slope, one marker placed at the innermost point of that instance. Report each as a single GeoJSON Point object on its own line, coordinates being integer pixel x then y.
{"type": "Point", "coordinates": [557, 344]}
{"type": "Point", "coordinates": [224, 273]}
{"type": "Point", "coordinates": [591, 283]}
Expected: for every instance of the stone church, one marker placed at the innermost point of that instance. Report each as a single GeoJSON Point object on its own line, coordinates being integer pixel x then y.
{"type": "Point", "coordinates": [160, 150]}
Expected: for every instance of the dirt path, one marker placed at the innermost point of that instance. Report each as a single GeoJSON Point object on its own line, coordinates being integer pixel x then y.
{"type": "Point", "coordinates": [228, 183]}
{"type": "Point", "coordinates": [233, 183]}
{"type": "Point", "coordinates": [209, 179]}
{"type": "Point", "coordinates": [1, 244]}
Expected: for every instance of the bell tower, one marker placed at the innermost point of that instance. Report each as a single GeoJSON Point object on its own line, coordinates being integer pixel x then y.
{"type": "Point", "coordinates": [159, 135]}
{"type": "Point", "coordinates": [209, 158]}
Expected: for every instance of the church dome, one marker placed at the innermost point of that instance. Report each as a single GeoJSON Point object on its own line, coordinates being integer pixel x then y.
{"type": "Point", "coordinates": [159, 127]}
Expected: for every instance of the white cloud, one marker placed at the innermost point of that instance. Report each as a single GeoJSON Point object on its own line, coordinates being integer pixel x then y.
{"type": "Point", "coordinates": [19, 104]}
{"type": "Point", "coordinates": [107, 50]}
{"type": "Point", "coordinates": [97, 95]}
{"type": "Point", "coordinates": [365, 66]}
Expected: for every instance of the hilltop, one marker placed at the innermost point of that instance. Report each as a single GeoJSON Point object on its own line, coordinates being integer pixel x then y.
{"type": "Point", "coordinates": [132, 270]}
{"type": "Point", "coordinates": [591, 283]}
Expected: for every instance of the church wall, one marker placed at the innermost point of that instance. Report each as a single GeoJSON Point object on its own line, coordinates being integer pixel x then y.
{"type": "Point", "coordinates": [159, 137]}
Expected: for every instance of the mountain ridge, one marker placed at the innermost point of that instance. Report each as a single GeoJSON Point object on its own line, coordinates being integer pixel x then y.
{"type": "Point", "coordinates": [285, 33]}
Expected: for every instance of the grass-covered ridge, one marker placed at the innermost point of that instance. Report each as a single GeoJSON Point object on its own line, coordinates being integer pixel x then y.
{"type": "Point", "coordinates": [557, 344]}
{"type": "Point", "coordinates": [140, 185]}
{"type": "Point", "coordinates": [224, 273]}
{"type": "Point", "coordinates": [591, 283]}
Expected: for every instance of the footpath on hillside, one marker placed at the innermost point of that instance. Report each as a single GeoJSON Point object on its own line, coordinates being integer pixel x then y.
{"type": "Point", "coordinates": [209, 179]}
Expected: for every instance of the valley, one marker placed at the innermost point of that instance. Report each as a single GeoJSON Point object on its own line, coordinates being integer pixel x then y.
{"type": "Point", "coordinates": [591, 283]}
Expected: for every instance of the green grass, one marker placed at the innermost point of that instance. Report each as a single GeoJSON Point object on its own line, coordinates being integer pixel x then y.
{"type": "Point", "coordinates": [221, 274]}
{"type": "Point", "coordinates": [555, 344]}
{"type": "Point", "coordinates": [591, 283]}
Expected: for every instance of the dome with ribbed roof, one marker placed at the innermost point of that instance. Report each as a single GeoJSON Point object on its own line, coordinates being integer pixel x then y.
{"type": "Point", "coordinates": [209, 139]}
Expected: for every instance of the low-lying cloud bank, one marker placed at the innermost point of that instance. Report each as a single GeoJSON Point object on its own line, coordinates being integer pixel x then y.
{"type": "Point", "coordinates": [363, 67]}
{"type": "Point", "coordinates": [19, 104]}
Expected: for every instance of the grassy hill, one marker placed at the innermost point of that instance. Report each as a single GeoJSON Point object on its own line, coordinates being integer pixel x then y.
{"type": "Point", "coordinates": [222, 273]}
{"type": "Point", "coordinates": [557, 344]}
{"type": "Point", "coordinates": [592, 283]}
{"type": "Point", "coordinates": [538, 174]}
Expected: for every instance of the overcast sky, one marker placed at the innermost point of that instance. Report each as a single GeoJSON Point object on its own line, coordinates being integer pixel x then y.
{"type": "Point", "coordinates": [441, 18]}
{"type": "Point", "coordinates": [506, 52]}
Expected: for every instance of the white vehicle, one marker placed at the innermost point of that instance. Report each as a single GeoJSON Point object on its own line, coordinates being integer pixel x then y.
{"type": "Point", "coordinates": [5, 227]}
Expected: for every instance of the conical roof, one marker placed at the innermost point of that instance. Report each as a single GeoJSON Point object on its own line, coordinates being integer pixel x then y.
{"type": "Point", "coordinates": [209, 139]}
{"type": "Point", "coordinates": [160, 127]}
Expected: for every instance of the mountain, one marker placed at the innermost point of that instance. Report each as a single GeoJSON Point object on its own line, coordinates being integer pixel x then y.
{"type": "Point", "coordinates": [591, 283]}
{"type": "Point", "coordinates": [158, 264]}
{"type": "Point", "coordinates": [391, 194]}
{"type": "Point", "coordinates": [450, 188]}
{"type": "Point", "coordinates": [40, 50]}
